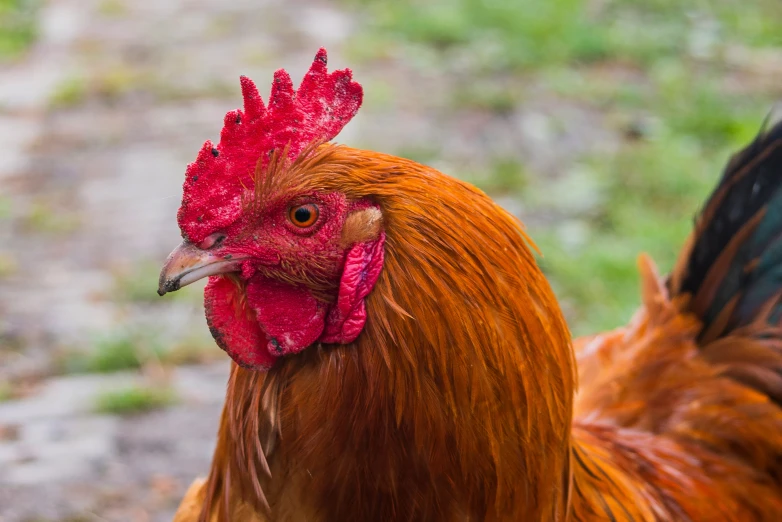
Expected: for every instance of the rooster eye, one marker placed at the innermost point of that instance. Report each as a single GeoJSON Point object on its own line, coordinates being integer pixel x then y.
{"type": "Point", "coordinates": [303, 216]}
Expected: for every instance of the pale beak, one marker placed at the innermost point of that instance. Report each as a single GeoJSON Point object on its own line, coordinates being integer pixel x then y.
{"type": "Point", "coordinates": [188, 263]}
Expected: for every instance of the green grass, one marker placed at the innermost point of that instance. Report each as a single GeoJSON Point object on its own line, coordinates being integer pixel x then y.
{"type": "Point", "coordinates": [521, 34]}
{"type": "Point", "coordinates": [503, 175]}
{"type": "Point", "coordinates": [43, 218]}
{"type": "Point", "coordinates": [128, 349]}
{"type": "Point", "coordinates": [112, 8]}
{"type": "Point", "coordinates": [656, 71]}
{"type": "Point", "coordinates": [17, 27]}
{"type": "Point", "coordinates": [138, 284]}
{"type": "Point", "coordinates": [648, 194]}
{"type": "Point", "coordinates": [134, 400]}
{"type": "Point", "coordinates": [8, 265]}
{"type": "Point", "coordinates": [501, 34]}
{"type": "Point", "coordinates": [113, 84]}
{"type": "Point", "coordinates": [113, 352]}
{"type": "Point", "coordinates": [70, 92]}
{"type": "Point", "coordinates": [419, 153]}
{"type": "Point", "coordinates": [6, 391]}
{"type": "Point", "coordinates": [489, 96]}
{"type": "Point", "coordinates": [192, 350]}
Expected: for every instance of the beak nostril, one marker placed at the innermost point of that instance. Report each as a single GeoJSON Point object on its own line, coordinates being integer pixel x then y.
{"type": "Point", "coordinates": [212, 241]}
{"type": "Point", "coordinates": [189, 263]}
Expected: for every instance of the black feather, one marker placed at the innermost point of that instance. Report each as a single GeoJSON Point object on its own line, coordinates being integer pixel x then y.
{"type": "Point", "coordinates": [751, 184]}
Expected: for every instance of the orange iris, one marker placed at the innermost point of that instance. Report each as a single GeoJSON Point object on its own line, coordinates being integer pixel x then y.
{"type": "Point", "coordinates": [303, 215]}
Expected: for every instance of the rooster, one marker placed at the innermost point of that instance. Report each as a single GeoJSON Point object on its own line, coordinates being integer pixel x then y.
{"type": "Point", "coordinates": [398, 354]}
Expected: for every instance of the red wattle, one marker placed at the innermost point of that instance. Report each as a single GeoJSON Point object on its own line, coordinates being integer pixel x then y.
{"type": "Point", "coordinates": [290, 316]}
{"type": "Point", "coordinates": [234, 328]}
{"type": "Point", "coordinates": [277, 319]}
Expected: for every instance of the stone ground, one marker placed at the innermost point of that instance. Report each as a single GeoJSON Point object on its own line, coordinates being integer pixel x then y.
{"type": "Point", "coordinates": [99, 121]}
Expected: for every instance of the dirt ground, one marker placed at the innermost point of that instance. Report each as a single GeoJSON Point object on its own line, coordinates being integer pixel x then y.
{"type": "Point", "coordinates": [98, 123]}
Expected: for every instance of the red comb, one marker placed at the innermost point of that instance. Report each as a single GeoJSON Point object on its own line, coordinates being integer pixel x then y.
{"type": "Point", "coordinates": [323, 104]}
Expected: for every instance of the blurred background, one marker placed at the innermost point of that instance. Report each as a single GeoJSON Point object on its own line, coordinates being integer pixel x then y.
{"type": "Point", "coordinates": [602, 124]}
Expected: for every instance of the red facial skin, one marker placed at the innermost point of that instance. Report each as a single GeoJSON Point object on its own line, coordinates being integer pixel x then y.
{"type": "Point", "coordinates": [298, 285]}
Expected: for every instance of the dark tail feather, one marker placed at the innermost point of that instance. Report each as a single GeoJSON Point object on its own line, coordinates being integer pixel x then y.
{"type": "Point", "coordinates": [731, 266]}
{"type": "Point", "coordinates": [732, 263]}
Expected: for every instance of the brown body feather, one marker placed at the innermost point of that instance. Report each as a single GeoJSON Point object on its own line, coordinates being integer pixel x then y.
{"type": "Point", "coordinates": [457, 401]}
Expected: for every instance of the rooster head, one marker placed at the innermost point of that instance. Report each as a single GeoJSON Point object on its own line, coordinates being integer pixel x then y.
{"type": "Point", "coordinates": [289, 264]}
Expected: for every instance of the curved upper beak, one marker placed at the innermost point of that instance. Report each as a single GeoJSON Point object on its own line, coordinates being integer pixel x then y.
{"type": "Point", "coordinates": [188, 263]}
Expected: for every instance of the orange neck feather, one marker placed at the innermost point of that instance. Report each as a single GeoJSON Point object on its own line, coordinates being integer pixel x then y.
{"type": "Point", "coordinates": [456, 401]}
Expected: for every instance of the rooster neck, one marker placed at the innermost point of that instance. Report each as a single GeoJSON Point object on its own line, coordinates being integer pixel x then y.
{"type": "Point", "coordinates": [455, 402]}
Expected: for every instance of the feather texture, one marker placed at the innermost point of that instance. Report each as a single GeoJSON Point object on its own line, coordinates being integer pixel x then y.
{"type": "Point", "coordinates": [416, 419]}
{"type": "Point", "coordinates": [457, 401]}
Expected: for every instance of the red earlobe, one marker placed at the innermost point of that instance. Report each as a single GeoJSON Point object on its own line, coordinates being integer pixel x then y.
{"type": "Point", "coordinates": [278, 319]}
{"type": "Point", "coordinates": [348, 315]}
